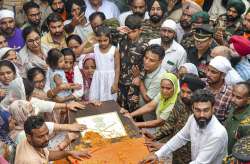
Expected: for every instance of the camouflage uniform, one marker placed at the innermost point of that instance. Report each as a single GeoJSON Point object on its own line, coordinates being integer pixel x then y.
{"type": "Point", "coordinates": [175, 122]}
{"type": "Point", "coordinates": [131, 55]}
{"type": "Point", "coordinates": [187, 41]}
{"type": "Point", "coordinates": [237, 126]}
{"type": "Point", "coordinates": [230, 28]}
{"type": "Point", "coordinates": [150, 31]}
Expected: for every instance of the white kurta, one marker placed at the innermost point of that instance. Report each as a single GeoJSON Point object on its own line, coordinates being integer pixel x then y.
{"type": "Point", "coordinates": [208, 146]}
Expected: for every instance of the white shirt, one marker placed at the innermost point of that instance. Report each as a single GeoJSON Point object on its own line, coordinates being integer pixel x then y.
{"type": "Point", "coordinates": [78, 93]}
{"type": "Point", "coordinates": [208, 146]}
{"type": "Point", "coordinates": [124, 15]}
{"type": "Point", "coordinates": [109, 9]}
{"type": "Point", "coordinates": [175, 56]}
{"type": "Point", "coordinates": [42, 106]}
{"type": "Point", "coordinates": [179, 32]}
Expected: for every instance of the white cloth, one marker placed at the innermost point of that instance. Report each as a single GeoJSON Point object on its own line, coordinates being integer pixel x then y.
{"type": "Point", "coordinates": [78, 80]}
{"type": "Point", "coordinates": [169, 23]}
{"type": "Point", "coordinates": [179, 32]}
{"type": "Point", "coordinates": [221, 63]}
{"type": "Point", "coordinates": [124, 15]}
{"type": "Point", "coordinates": [104, 75]}
{"type": "Point", "coordinates": [4, 13]}
{"type": "Point", "coordinates": [175, 56]}
{"type": "Point", "coordinates": [82, 30]}
{"type": "Point", "coordinates": [191, 68]}
{"type": "Point", "coordinates": [109, 9]}
{"type": "Point", "coordinates": [42, 106]}
{"type": "Point", "coordinates": [3, 51]}
{"type": "Point", "coordinates": [208, 146]}
{"type": "Point", "coordinates": [233, 77]}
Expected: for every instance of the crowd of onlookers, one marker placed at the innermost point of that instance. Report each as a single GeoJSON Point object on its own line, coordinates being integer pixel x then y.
{"type": "Point", "coordinates": [179, 69]}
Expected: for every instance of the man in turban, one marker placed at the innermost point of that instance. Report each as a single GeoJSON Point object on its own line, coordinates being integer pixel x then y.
{"type": "Point", "coordinates": [216, 73]}
{"type": "Point", "coordinates": [229, 23]}
{"type": "Point", "coordinates": [10, 31]}
{"type": "Point", "coordinates": [177, 119]}
{"type": "Point", "coordinates": [151, 26]}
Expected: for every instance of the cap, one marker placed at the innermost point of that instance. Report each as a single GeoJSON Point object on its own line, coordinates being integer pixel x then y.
{"type": "Point", "coordinates": [169, 23]}
{"type": "Point", "coordinates": [203, 32]}
{"type": "Point", "coordinates": [241, 150]}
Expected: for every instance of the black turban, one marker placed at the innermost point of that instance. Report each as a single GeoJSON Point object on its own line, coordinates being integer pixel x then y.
{"type": "Point", "coordinates": [192, 81]}
{"type": "Point", "coordinates": [162, 4]}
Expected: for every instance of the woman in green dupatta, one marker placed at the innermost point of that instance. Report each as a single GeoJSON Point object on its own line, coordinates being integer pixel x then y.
{"type": "Point", "coordinates": [163, 103]}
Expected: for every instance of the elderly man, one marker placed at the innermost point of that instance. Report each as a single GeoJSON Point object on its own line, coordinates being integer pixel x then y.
{"type": "Point", "coordinates": [241, 50]}
{"type": "Point", "coordinates": [229, 23]}
{"type": "Point", "coordinates": [189, 8]}
{"type": "Point", "coordinates": [8, 28]}
{"type": "Point", "coordinates": [33, 14]}
{"type": "Point", "coordinates": [175, 55]}
{"type": "Point", "coordinates": [109, 9]}
{"type": "Point", "coordinates": [37, 134]}
{"type": "Point", "coordinates": [177, 119]}
{"type": "Point", "coordinates": [151, 26]}
{"type": "Point", "coordinates": [217, 70]}
{"type": "Point", "coordinates": [138, 7]}
{"type": "Point", "coordinates": [55, 38]}
{"type": "Point", "coordinates": [207, 136]}
{"type": "Point", "coordinates": [238, 121]}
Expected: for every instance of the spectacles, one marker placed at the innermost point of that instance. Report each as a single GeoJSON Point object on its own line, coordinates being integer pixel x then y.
{"type": "Point", "coordinates": [39, 81]}
{"type": "Point", "coordinates": [32, 41]}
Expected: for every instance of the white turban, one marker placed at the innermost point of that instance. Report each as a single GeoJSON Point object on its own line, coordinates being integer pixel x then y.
{"type": "Point", "coordinates": [191, 68]}
{"type": "Point", "coordinates": [169, 23]}
{"type": "Point", "coordinates": [3, 51]}
{"type": "Point", "coordinates": [191, 6]}
{"type": "Point", "coordinates": [221, 63]}
{"type": "Point", "coordinates": [6, 14]}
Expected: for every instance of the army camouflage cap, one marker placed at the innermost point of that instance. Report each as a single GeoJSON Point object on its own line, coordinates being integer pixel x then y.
{"type": "Point", "coordinates": [241, 150]}
{"type": "Point", "coordinates": [203, 32]}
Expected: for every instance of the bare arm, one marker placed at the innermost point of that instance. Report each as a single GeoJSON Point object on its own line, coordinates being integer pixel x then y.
{"type": "Point", "coordinates": [143, 91]}
{"type": "Point", "coordinates": [145, 109]}
{"type": "Point", "coordinates": [117, 66]}
{"type": "Point", "coordinates": [56, 155]}
{"type": "Point", "coordinates": [150, 124]}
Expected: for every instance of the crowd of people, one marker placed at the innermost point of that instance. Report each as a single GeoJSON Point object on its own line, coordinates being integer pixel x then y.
{"type": "Point", "coordinates": [179, 69]}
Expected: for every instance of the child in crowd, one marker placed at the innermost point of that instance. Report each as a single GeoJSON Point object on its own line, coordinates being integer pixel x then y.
{"type": "Point", "coordinates": [104, 84]}
{"type": "Point", "coordinates": [88, 70]}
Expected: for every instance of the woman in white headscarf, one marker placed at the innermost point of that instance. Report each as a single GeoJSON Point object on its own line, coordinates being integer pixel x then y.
{"type": "Point", "coordinates": [187, 68]}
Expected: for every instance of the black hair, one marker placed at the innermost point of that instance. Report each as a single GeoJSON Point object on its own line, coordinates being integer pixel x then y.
{"type": "Point", "coordinates": [33, 122]}
{"type": "Point", "coordinates": [29, 5]}
{"type": "Point", "coordinates": [27, 30]}
{"type": "Point", "coordinates": [133, 21]}
{"type": "Point", "coordinates": [51, 1]}
{"type": "Point", "coordinates": [130, 2]}
{"type": "Point", "coordinates": [68, 52]}
{"type": "Point", "coordinates": [156, 49]}
{"type": "Point", "coordinates": [53, 56]}
{"type": "Point", "coordinates": [6, 54]}
{"type": "Point", "coordinates": [33, 72]}
{"type": "Point", "coordinates": [97, 14]}
{"type": "Point", "coordinates": [202, 95]}
{"type": "Point", "coordinates": [247, 85]}
{"type": "Point", "coordinates": [74, 37]}
{"type": "Point", "coordinates": [103, 31]}
{"type": "Point", "coordinates": [9, 64]}
{"type": "Point", "coordinates": [29, 87]}
{"type": "Point", "coordinates": [79, 3]}
{"type": "Point", "coordinates": [54, 17]}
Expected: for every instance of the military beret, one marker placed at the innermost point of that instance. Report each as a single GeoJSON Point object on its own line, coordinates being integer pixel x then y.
{"type": "Point", "coordinates": [203, 32]}
{"type": "Point", "coordinates": [241, 150]}
{"type": "Point", "coordinates": [202, 14]}
{"type": "Point", "coordinates": [238, 5]}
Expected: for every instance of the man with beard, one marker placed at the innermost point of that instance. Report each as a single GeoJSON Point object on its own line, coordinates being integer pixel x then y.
{"type": "Point", "coordinates": [176, 120]}
{"type": "Point", "coordinates": [58, 6]}
{"type": "Point", "coordinates": [241, 55]}
{"type": "Point", "coordinates": [200, 54]}
{"type": "Point", "coordinates": [207, 136]}
{"type": "Point", "coordinates": [229, 23]}
{"type": "Point", "coordinates": [55, 38]}
{"type": "Point", "coordinates": [217, 70]}
{"type": "Point", "coordinates": [37, 134]}
{"type": "Point", "coordinates": [239, 117]}
{"type": "Point", "coordinates": [33, 14]}
{"type": "Point", "coordinates": [246, 25]}
{"type": "Point", "coordinates": [138, 7]}
{"type": "Point", "coordinates": [151, 26]}
{"type": "Point", "coordinates": [175, 55]}
{"type": "Point", "coordinates": [8, 28]}
{"type": "Point", "coordinates": [189, 8]}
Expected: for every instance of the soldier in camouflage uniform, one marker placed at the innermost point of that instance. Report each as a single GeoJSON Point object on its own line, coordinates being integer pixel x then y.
{"type": "Point", "coordinates": [198, 18]}
{"type": "Point", "coordinates": [238, 121]}
{"type": "Point", "coordinates": [177, 119]}
{"type": "Point", "coordinates": [132, 49]}
{"type": "Point", "coordinates": [151, 27]}
{"type": "Point", "coordinates": [229, 23]}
